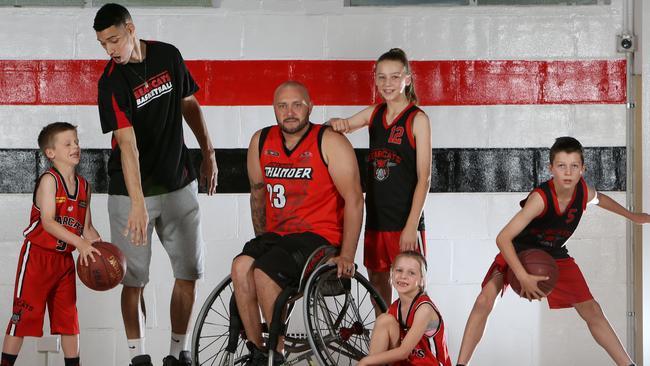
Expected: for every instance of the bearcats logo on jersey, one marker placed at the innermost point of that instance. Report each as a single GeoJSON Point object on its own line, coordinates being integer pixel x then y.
{"type": "Point", "coordinates": [382, 168]}
{"type": "Point", "coordinates": [382, 160]}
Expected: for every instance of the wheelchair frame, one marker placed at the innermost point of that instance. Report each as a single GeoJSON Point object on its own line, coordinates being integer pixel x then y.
{"type": "Point", "coordinates": [319, 282]}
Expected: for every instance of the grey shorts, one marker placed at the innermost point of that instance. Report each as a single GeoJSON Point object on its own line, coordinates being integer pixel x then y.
{"type": "Point", "coordinates": [177, 220]}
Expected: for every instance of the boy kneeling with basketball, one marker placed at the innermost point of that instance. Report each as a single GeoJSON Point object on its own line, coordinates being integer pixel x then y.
{"type": "Point", "coordinates": [549, 216]}
{"type": "Point", "coordinates": [59, 222]}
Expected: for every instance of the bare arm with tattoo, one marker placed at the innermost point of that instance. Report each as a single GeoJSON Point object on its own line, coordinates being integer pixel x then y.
{"type": "Point", "coordinates": [258, 190]}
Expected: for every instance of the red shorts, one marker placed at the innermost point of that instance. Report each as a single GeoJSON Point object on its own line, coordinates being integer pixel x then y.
{"type": "Point", "coordinates": [44, 277]}
{"type": "Point", "coordinates": [570, 289]}
{"type": "Point", "coordinates": [381, 247]}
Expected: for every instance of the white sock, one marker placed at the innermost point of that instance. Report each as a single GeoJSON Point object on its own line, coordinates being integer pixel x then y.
{"type": "Point", "coordinates": [177, 344]}
{"type": "Point", "coordinates": [136, 347]}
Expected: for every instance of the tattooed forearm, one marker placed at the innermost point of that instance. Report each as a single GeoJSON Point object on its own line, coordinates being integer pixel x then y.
{"type": "Point", "coordinates": [258, 207]}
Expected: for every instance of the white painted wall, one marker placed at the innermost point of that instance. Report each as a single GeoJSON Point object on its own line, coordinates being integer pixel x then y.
{"type": "Point", "coordinates": [461, 227]}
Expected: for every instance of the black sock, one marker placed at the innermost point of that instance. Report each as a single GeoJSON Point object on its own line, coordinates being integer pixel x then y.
{"type": "Point", "coordinates": [8, 360]}
{"type": "Point", "coordinates": [74, 361]}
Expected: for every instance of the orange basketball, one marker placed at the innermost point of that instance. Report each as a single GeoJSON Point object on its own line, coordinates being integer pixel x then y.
{"type": "Point", "coordinates": [107, 271]}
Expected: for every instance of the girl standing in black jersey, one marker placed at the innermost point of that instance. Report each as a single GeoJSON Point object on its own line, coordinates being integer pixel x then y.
{"type": "Point", "coordinates": [399, 168]}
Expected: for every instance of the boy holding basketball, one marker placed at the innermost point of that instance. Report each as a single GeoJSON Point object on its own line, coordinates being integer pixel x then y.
{"type": "Point", "coordinates": [59, 222]}
{"type": "Point", "coordinates": [548, 217]}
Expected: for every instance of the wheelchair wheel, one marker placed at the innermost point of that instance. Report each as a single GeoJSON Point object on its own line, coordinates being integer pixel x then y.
{"type": "Point", "coordinates": [210, 335]}
{"type": "Point", "coordinates": [339, 316]}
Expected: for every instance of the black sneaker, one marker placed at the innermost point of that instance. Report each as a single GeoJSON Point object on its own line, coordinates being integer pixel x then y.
{"type": "Point", "coordinates": [257, 357]}
{"type": "Point", "coordinates": [141, 360]}
{"type": "Point", "coordinates": [170, 361]}
{"type": "Point", "coordinates": [184, 359]}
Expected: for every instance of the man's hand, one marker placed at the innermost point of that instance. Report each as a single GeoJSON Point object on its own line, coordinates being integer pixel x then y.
{"type": "Point", "coordinates": [529, 288]}
{"type": "Point", "coordinates": [136, 226]}
{"type": "Point", "coordinates": [344, 266]}
{"type": "Point", "coordinates": [209, 172]}
{"type": "Point", "coordinates": [408, 240]}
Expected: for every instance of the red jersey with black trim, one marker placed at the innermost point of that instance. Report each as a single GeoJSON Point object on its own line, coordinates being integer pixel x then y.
{"type": "Point", "coordinates": [432, 348]}
{"type": "Point", "coordinates": [70, 212]}
{"type": "Point", "coordinates": [392, 170]}
{"type": "Point", "coordinates": [552, 228]}
{"type": "Point", "coordinates": [302, 195]}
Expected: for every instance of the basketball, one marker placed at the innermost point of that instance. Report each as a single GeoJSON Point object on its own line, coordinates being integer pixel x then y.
{"type": "Point", "coordinates": [536, 262]}
{"type": "Point", "coordinates": [107, 271]}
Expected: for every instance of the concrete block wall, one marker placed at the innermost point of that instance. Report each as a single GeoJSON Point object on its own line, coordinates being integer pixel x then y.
{"type": "Point", "coordinates": [461, 227]}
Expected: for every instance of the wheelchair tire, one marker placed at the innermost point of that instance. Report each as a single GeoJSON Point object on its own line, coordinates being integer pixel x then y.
{"type": "Point", "coordinates": [339, 316]}
{"type": "Point", "coordinates": [210, 335]}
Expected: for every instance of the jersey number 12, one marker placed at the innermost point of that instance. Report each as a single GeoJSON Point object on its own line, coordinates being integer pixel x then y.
{"type": "Point", "coordinates": [396, 134]}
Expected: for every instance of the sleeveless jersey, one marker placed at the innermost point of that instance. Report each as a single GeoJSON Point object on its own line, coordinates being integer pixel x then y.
{"type": "Point", "coordinates": [302, 195]}
{"type": "Point", "coordinates": [432, 348]}
{"type": "Point", "coordinates": [552, 228]}
{"type": "Point", "coordinates": [70, 212]}
{"type": "Point", "coordinates": [392, 170]}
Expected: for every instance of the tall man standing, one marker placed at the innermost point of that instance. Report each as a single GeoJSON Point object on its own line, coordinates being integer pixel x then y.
{"type": "Point", "coordinates": [143, 95]}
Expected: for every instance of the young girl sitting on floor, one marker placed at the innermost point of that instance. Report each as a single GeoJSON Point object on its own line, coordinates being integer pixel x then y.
{"type": "Point", "coordinates": [412, 331]}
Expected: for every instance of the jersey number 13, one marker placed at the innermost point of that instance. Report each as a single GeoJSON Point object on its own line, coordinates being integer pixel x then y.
{"type": "Point", "coordinates": [276, 195]}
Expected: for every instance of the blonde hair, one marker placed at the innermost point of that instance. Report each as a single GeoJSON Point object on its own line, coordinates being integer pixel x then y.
{"type": "Point", "coordinates": [420, 259]}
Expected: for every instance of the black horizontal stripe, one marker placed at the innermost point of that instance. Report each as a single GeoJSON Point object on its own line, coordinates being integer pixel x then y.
{"type": "Point", "coordinates": [453, 170]}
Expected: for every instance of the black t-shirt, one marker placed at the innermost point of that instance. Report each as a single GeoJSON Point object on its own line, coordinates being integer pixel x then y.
{"type": "Point", "coordinates": [392, 170]}
{"type": "Point", "coordinates": [153, 108]}
{"type": "Point", "coordinates": [552, 228]}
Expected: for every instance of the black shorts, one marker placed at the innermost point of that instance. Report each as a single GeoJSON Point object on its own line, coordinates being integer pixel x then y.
{"type": "Point", "coordinates": [283, 258]}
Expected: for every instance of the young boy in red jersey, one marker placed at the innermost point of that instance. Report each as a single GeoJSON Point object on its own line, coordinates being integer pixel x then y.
{"type": "Point", "coordinates": [59, 222]}
{"type": "Point", "coordinates": [549, 216]}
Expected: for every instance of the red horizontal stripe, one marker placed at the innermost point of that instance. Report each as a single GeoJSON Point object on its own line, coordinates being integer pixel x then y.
{"type": "Point", "coordinates": [334, 82]}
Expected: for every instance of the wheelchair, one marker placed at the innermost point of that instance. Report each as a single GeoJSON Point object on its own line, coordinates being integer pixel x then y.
{"type": "Point", "coordinates": [338, 314]}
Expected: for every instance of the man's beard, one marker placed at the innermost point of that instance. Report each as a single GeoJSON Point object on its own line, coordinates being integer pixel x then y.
{"type": "Point", "coordinates": [292, 130]}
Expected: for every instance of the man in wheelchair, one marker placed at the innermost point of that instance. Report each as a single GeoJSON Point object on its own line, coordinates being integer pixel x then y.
{"type": "Point", "coordinates": [305, 193]}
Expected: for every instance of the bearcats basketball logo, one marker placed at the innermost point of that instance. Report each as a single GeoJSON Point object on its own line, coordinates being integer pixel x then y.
{"type": "Point", "coordinates": [382, 168]}
{"type": "Point", "coordinates": [15, 317]}
{"type": "Point", "coordinates": [153, 88]}
{"type": "Point", "coordinates": [19, 306]}
{"type": "Point", "coordinates": [382, 160]}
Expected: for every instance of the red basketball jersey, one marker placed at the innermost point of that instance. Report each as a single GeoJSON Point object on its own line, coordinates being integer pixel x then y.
{"type": "Point", "coordinates": [302, 195]}
{"type": "Point", "coordinates": [70, 212]}
{"type": "Point", "coordinates": [432, 348]}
